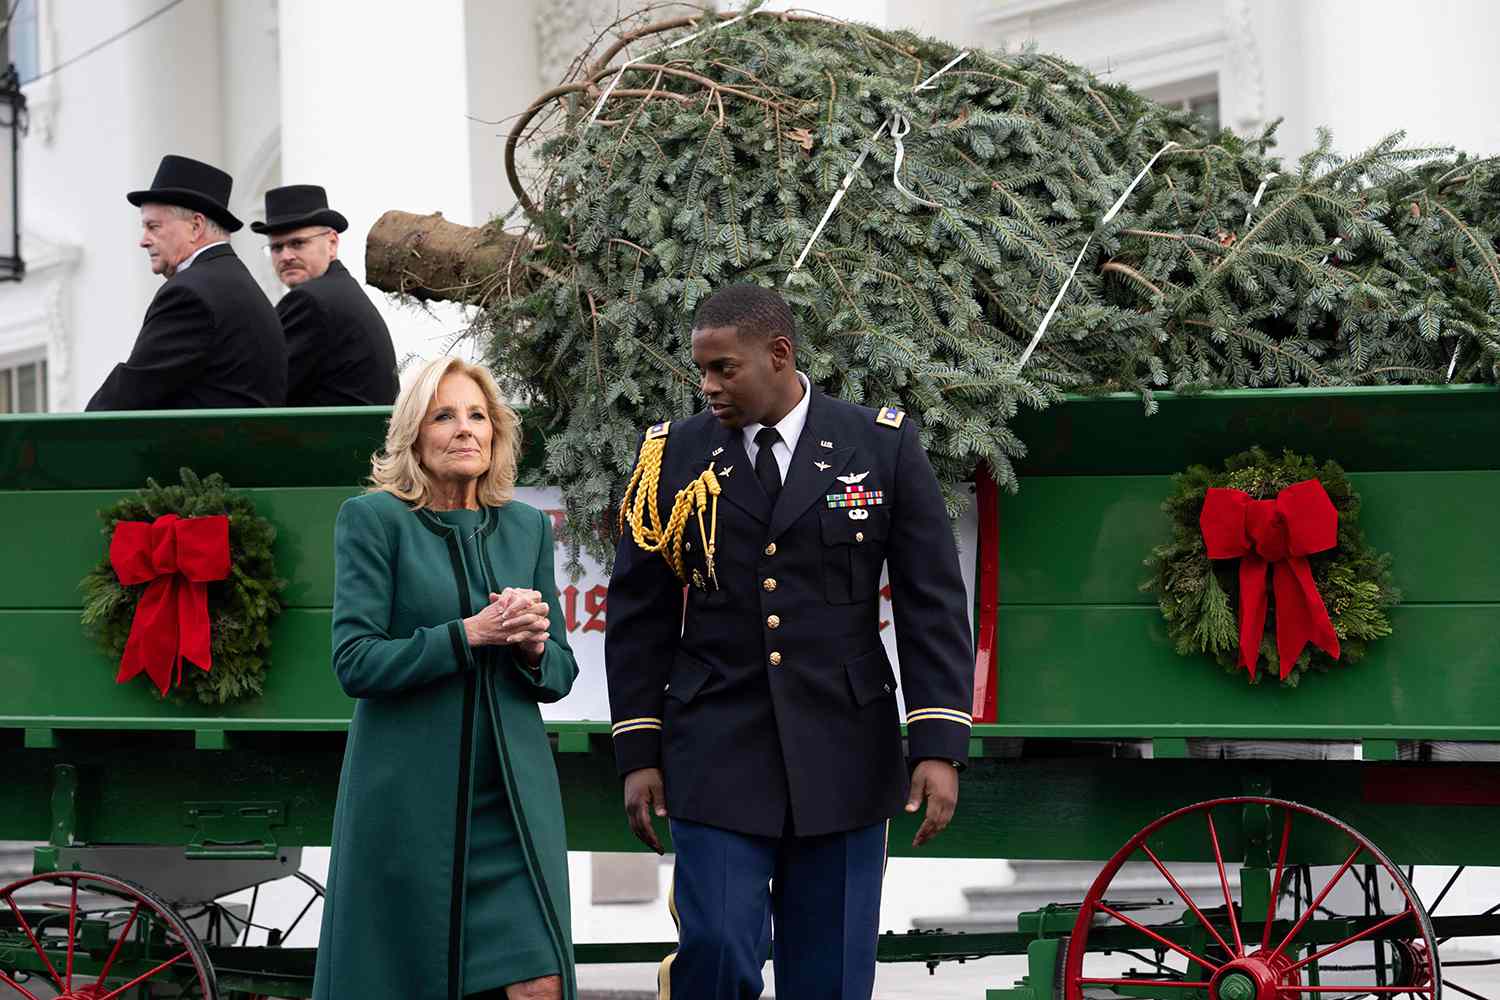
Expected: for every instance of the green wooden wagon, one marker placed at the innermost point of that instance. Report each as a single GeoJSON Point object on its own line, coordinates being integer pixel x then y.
{"type": "Point", "coordinates": [1106, 746]}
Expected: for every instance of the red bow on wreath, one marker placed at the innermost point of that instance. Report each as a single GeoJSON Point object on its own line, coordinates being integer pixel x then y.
{"type": "Point", "coordinates": [1280, 533]}
{"type": "Point", "coordinates": [178, 557]}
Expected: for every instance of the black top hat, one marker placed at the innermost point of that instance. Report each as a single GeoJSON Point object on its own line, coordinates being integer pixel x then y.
{"type": "Point", "coordinates": [190, 184]}
{"type": "Point", "coordinates": [298, 205]}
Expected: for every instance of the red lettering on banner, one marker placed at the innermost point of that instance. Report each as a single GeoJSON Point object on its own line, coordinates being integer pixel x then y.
{"type": "Point", "coordinates": [557, 517]}
{"type": "Point", "coordinates": [594, 603]}
{"type": "Point", "coordinates": [885, 595]}
{"type": "Point", "coordinates": [568, 598]}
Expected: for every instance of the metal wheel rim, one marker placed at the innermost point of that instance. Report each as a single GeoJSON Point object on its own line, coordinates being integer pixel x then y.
{"type": "Point", "coordinates": [1077, 945]}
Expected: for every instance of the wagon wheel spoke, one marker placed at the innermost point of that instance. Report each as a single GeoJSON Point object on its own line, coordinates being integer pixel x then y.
{"type": "Point", "coordinates": [1307, 914]}
{"type": "Point", "coordinates": [35, 944]}
{"type": "Point", "coordinates": [72, 931]}
{"type": "Point", "coordinates": [1372, 929]}
{"type": "Point", "coordinates": [1286, 837]}
{"type": "Point", "coordinates": [7, 981]}
{"type": "Point", "coordinates": [1183, 895]}
{"type": "Point", "coordinates": [147, 975]}
{"type": "Point", "coordinates": [1159, 939]}
{"type": "Point", "coordinates": [1234, 923]}
{"type": "Point", "coordinates": [120, 941]}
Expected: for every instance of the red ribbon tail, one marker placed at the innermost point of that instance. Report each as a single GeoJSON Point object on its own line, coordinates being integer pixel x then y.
{"type": "Point", "coordinates": [1301, 616]}
{"type": "Point", "coordinates": [152, 646]}
{"type": "Point", "coordinates": [194, 642]}
{"type": "Point", "coordinates": [1252, 609]}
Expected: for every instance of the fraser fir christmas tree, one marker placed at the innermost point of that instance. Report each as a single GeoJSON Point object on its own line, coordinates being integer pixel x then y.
{"type": "Point", "coordinates": [713, 161]}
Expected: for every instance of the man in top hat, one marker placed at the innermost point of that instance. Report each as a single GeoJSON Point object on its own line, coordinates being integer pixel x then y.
{"type": "Point", "coordinates": [339, 352]}
{"type": "Point", "coordinates": [210, 339]}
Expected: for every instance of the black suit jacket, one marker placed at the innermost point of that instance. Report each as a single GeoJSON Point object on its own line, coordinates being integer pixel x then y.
{"type": "Point", "coordinates": [339, 352]}
{"type": "Point", "coordinates": [210, 340]}
{"type": "Point", "coordinates": [742, 740]}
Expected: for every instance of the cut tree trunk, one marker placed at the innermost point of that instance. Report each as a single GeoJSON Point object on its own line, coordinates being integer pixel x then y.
{"type": "Point", "coordinates": [432, 259]}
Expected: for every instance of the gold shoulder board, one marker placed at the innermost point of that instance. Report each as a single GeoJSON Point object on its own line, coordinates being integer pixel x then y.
{"type": "Point", "coordinates": [888, 416]}
{"type": "Point", "coordinates": [658, 430]}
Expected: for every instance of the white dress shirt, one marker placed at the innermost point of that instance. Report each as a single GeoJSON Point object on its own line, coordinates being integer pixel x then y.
{"type": "Point", "coordinates": [189, 262]}
{"type": "Point", "coordinates": [790, 429]}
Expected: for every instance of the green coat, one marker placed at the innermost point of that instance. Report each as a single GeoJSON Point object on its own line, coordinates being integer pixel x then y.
{"type": "Point", "coordinates": [393, 917]}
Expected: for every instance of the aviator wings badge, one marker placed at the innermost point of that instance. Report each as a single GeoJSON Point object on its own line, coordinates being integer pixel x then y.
{"type": "Point", "coordinates": [854, 479]}
{"type": "Point", "coordinates": [822, 466]}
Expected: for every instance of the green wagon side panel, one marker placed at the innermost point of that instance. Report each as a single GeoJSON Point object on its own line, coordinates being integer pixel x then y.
{"type": "Point", "coordinates": [1386, 428]}
{"type": "Point", "coordinates": [118, 451]}
{"type": "Point", "coordinates": [76, 542]}
{"type": "Point", "coordinates": [1084, 539]}
{"type": "Point", "coordinates": [1104, 671]}
{"type": "Point", "coordinates": [54, 675]}
{"type": "Point", "coordinates": [1069, 808]}
{"type": "Point", "coordinates": [1109, 671]}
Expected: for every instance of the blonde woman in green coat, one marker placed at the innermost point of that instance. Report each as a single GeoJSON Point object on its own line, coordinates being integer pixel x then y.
{"type": "Point", "coordinates": [449, 872]}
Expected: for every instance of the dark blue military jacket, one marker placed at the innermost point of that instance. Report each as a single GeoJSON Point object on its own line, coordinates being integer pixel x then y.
{"type": "Point", "coordinates": [772, 692]}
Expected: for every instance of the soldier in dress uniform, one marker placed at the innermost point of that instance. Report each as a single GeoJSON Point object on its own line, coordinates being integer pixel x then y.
{"type": "Point", "coordinates": [761, 718]}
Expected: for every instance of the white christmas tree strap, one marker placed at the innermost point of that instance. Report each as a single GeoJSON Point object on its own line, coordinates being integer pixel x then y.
{"type": "Point", "coordinates": [599, 105]}
{"type": "Point", "coordinates": [1259, 194]}
{"type": "Point", "coordinates": [838, 195]}
{"type": "Point", "coordinates": [1114, 210]}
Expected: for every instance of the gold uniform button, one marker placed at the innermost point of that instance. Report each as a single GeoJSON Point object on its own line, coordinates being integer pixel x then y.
{"type": "Point", "coordinates": [859, 536]}
{"type": "Point", "coordinates": [775, 659]}
{"type": "Point", "coordinates": [769, 584]}
{"type": "Point", "coordinates": [773, 622]}
{"type": "Point", "coordinates": [771, 549]}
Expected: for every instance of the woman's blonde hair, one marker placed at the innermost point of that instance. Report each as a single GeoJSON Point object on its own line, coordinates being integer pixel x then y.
{"type": "Point", "coordinates": [396, 468]}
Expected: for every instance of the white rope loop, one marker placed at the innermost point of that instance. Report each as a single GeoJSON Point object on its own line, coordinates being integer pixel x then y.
{"type": "Point", "coordinates": [899, 127]}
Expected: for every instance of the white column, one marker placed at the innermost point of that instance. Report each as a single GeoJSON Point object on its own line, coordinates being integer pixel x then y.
{"type": "Point", "coordinates": [373, 102]}
{"type": "Point", "coordinates": [113, 115]}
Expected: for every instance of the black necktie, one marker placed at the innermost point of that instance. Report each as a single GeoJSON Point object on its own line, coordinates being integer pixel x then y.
{"type": "Point", "coordinates": [766, 469]}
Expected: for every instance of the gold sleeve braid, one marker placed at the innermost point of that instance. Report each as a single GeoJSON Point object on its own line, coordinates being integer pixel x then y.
{"type": "Point", "coordinates": [638, 509]}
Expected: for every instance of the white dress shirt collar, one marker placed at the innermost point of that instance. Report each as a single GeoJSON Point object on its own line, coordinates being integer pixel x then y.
{"type": "Point", "coordinates": [789, 427]}
{"type": "Point", "coordinates": [189, 262]}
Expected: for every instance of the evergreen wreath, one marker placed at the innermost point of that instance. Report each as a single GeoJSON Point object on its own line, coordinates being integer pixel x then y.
{"type": "Point", "coordinates": [1199, 596]}
{"type": "Point", "coordinates": [241, 607]}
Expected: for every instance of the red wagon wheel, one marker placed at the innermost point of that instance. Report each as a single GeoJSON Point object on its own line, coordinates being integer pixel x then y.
{"type": "Point", "coordinates": [1215, 950]}
{"type": "Point", "coordinates": [96, 937]}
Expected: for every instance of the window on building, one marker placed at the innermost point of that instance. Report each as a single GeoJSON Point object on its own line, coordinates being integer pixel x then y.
{"type": "Point", "coordinates": [23, 387]}
{"type": "Point", "coordinates": [1199, 95]}
{"type": "Point", "coordinates": [24, 36]}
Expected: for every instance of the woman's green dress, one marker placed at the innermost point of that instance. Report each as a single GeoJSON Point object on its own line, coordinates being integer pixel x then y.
{"type": "Point", "coordinates": [505, 937]}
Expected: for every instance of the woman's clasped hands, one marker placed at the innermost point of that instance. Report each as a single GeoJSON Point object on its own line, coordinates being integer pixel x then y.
{"type": "Point", "coordinates": [514, 617]}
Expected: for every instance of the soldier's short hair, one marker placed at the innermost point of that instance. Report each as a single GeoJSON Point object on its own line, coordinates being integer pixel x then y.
{"type": "Point", "coordinates": [750, 309]}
